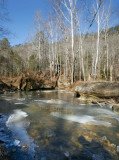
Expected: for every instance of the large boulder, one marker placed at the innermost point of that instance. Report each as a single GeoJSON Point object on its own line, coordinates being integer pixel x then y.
{"type": "Point", "coordinates": [99, 89]}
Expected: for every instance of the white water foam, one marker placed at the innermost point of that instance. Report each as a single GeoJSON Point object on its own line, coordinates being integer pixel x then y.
{"type": "Point", "coordinates": [17, 116]}
{"type": "Point", "coordinates": [48, 91]}
{"type": "Point", "coordinates": [17, 124]}
{"type": "Point", "coordinates": [19, 103]}
{"type": "Point", "coordinates": [80, 119]}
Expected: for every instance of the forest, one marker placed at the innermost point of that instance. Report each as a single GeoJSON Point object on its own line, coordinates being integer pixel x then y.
{"type": "Point", "coordinates": [78, 41]}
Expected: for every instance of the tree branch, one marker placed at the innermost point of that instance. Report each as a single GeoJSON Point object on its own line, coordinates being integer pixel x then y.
{"type": "Point", "coordinates": [95, 14]}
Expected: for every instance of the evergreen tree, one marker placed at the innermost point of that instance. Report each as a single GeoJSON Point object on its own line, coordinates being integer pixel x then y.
{"type": "Point", "coordinates": [4, 44]}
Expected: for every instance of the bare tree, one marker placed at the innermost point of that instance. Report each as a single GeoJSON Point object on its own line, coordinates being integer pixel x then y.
{"type": "Point", "coordinates": [68, 15]}
{"type": "Point", "coordinates": [106, 28]}
{"type": "Point", "coordinates": [99, 21]}
{"type": "Point", "coordinates": [38, 25]}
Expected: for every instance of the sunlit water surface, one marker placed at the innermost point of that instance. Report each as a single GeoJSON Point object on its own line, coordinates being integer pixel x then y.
{"type": "Point", "coordinates": [52, 125]}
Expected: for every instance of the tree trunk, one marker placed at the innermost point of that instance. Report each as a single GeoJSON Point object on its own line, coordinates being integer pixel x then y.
{"type": "Point", "coordinates": [72, 41]}
{"type": "Point", "coordinates": [97, 53]}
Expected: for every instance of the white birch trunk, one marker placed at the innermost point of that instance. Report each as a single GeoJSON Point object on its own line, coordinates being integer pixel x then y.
{"type": "Point", "coordinates": [72, 40]}
{"type": "Point", "coordinates": [97, 52]}
{"type": "Point", "coordinates": [82, 62]}
{"type": "Point", "coordinates": [39, 49]}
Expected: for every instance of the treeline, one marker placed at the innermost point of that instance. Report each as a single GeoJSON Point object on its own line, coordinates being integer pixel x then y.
{"type": "Point", "coordinates": [65, 46]}
{"type": "Point", "coordinates": [25, 57]}
{"type": "Point", "coordinates": [11, 64]}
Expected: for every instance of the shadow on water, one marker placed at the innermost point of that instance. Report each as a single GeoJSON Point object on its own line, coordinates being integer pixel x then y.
{"type": "Point", "coordinates": [91, 151]}
{"type": "Point", "coordinates": [88, 150]}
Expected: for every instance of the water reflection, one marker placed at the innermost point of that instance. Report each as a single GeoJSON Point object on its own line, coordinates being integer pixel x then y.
{"type": "Point", "coordinates": [60, 127]}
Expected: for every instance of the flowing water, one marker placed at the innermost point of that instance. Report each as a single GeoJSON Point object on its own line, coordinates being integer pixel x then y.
{"type": "Point", "coordinates": [53, 125]}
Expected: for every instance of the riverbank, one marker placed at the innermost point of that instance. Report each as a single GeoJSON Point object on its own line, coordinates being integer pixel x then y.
{"type": "Point", "coordinates": [28, 81]}
{"type": "Point", "coordinates": [99, 92]}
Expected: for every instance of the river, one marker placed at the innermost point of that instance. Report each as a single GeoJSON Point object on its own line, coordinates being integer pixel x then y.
{"type": "Point", "coordinates": [53, 125]}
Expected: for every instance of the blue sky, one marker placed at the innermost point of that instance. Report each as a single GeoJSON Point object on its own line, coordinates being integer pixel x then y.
{"type": "Point", "coordinates": [21, 13]}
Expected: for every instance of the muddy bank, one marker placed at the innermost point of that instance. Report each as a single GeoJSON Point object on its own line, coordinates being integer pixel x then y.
{"type": "Point", "coordinates": [27, 82]}
{"type": "Point", "coordinates": [6, 87]}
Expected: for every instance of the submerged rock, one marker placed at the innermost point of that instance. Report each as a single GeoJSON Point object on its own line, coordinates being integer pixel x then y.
{"type": "Point", "coordinates": [24, 147]}
{"type": "Point", "coordinates": [115, 108]}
